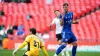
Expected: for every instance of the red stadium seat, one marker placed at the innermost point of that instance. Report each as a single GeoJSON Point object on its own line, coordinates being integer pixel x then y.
{"type": "Point", "coordinates": [42, 15]}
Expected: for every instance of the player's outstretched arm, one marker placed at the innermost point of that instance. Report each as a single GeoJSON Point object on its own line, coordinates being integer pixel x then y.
{"type": "Point", "coordinates": [14, 52]}
{"type": "Point", "coordinates": [20, 47]}
{"type": "Point", "coordinates": [52, 23]}
{"type": "Point", "coordinates": [50, 26]}
{"type": "Point", "coordinates": [62, 22]}
{"type": "Point", "coordinates": [44, 51]}
{"type": "Point", "coordinates": [75, 21]}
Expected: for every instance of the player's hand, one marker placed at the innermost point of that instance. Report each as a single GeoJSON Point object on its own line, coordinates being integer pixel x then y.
{"type": "Point", "coordinates": [75, 21]}
{"type": "Point", "coordinates": [14, 53]}
{"type": "Point", "coordinates": [62, 20]}
{"type": "Point", "coordinates": [50, 25]}
{"type": "Point", "coordinates": [62, 17]}
{"type": "Point", "coordinates": [63, 14]}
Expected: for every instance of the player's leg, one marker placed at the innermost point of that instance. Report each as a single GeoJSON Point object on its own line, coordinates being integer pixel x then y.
{"type": "Point", "coordinates": [74, 48]}
{"type": "Point", "coordinates": [73, 41]}
{"type": "Point", "coordinates": [59, 40]}
{"type": "Point", "coordinates": [66, 50]}
{"type": "Point", "coordinates": [63, 45]}
{"type": "Point", "coordinates": [62, 52]}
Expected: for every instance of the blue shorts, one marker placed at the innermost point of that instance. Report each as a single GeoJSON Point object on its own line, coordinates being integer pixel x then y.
{"type": "Point", "coordinates": [68, 37]}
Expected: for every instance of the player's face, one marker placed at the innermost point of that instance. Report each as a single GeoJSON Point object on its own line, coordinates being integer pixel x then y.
{"type": "Point", "coordinates": [65, 8]}
{"type": "Point", "coordinates": [57, 13]}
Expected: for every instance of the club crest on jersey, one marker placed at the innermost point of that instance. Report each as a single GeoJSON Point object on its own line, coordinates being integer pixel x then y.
{"type": "Point", "coordinates": [66, 39]}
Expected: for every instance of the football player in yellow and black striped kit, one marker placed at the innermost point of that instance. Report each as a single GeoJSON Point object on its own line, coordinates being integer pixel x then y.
{"type": "Point", "coordinates": [34, 43]}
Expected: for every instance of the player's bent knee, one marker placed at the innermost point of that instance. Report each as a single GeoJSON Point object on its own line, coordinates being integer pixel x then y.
{"type": "Point", "coordinates": [64, 43]}
{"type": "Point", "coordinates": [74, 43]}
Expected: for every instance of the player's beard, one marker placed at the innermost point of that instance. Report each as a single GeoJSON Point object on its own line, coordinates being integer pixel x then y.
{"type": "Point", "coordinates": [66, 11]}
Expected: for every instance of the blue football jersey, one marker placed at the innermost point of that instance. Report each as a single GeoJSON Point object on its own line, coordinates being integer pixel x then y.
{"type": "Point", "coordinates": [67, 21]}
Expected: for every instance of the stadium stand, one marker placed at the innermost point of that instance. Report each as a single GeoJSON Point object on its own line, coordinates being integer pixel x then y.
{"type": "Point", "coordinates": [42, 13]}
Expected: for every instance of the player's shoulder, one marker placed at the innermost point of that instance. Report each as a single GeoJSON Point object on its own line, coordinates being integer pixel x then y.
{"type": "Point", "coordinates": [70, 12]}
{"type": "Point", "coordinates": [29, 36]}
{"type": "Point", "coordinates": [55, 18]}
{"type": "Point", "coordinates": [35, 37]}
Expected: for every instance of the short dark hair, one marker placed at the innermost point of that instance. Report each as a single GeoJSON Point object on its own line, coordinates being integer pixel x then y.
{"type": "Point", "coordinates": [33, 30]}
{"type": "Point", "coordinates": [55, 11]}
{"type": "Point", "coordinates": [65, 4]}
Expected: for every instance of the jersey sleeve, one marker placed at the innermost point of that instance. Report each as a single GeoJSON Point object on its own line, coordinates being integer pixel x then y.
{"type": "Point", "coordinates": [43, 49]}
{"type": "Point", "coordinates": [24, 43]}
{"type": "Point", "coordinates": [27, 39]}
{"type": "Point", "coordinates": [41, 44]}
{"type": "Point", "coordinates": [53, 21]}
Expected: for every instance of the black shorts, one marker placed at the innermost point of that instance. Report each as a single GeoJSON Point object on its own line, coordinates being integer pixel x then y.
{"type": "Point", "coordinates": [58, 36]}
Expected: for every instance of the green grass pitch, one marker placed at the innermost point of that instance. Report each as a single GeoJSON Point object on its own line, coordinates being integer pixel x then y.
{"type": "Point", "coordinates": [51, 53]}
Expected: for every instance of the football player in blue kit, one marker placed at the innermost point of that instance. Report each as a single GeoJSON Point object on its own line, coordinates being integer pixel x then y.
{"type": "Point", "coordinates": [67, 35]}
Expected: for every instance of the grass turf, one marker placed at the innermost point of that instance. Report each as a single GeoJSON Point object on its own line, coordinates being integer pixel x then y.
{"type": "Point", "coordinates": [51, 53]}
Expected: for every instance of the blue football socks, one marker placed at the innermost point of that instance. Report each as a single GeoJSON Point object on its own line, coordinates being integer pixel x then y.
{"type": "Point", "coordinates": [74, 50]}
{"type": "Point", "coordinates": [60, 48]}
